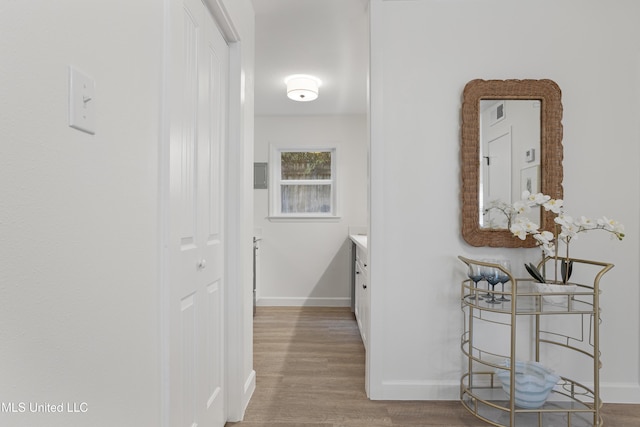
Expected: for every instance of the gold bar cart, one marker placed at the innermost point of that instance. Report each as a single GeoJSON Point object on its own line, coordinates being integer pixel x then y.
{"type": "Point", "coordinates": [562, 334]}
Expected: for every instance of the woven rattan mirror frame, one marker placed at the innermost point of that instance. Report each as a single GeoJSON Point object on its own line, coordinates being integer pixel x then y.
{"type": "Point", "coordinates": [549, 94]}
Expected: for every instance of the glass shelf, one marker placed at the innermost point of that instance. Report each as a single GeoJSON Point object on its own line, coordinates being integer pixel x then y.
{"type": "Point", "coordinates": [489, 402]}
{"type": "Point", "coordinates": [530, 302]}
{"type": "Point", "coordinates": [553, 414]}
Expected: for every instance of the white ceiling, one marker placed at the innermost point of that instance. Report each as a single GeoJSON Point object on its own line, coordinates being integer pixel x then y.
{"type": "Point", "coordinates": [324, 38]}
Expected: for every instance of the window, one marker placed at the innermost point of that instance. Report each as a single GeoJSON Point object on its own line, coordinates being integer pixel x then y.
{"type": "Point", "coordinates": [304, 182]}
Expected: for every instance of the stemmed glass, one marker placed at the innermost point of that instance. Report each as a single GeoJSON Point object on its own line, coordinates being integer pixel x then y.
{"type": "Point", "coordinates": [475, 274]}
{"type": "Point", "coordinates": [486, 273]}
{"type": "Point", "coordinates": [491, 276]}
{"type": "Point", "coordinates": [503, 278]}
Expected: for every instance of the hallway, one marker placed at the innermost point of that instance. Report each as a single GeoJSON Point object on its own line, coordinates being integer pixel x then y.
{"type": "Point", "coordinates": [310, 373]}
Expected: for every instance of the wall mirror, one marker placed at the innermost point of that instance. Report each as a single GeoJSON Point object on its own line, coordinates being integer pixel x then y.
{"type": "Point", "coordinates": [511, 141]}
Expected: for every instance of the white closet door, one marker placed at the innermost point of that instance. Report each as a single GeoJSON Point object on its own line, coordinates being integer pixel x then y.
{"type": "Point", "coordinates": [498, 178]}
{"type": "Point", "coordinates": [198, 134]}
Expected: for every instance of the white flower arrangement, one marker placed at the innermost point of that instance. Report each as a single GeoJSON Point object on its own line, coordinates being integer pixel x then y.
{"type": "Point", "coordinates": [569, 227]}
{"type": "Point", "coordinates": [566, 227]}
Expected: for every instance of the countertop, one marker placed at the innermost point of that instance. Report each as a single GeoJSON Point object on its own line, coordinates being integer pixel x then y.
{"type": "Point", "coordinates": [360, 240]}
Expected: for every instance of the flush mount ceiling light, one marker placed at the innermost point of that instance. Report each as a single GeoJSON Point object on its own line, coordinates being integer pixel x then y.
{"type": "Point", "coordinates": [302, 87]}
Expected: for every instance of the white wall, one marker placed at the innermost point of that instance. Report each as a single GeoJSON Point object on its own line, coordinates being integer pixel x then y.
{"type": "Point", "coordinates": [423, 53]}
{"type": "Point", "coordinates": [78, 213]}
{"type": "Point", "coordinates": [309, 263]}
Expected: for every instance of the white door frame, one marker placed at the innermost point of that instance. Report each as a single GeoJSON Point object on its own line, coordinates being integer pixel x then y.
{"type": "Point", "coordinates": [239, 389]}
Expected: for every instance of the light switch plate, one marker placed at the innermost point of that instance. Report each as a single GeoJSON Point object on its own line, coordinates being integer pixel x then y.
{"type": "Point", "coordinates": [82, 109]}
{"type": "Point", "coordinates": [530, 155]}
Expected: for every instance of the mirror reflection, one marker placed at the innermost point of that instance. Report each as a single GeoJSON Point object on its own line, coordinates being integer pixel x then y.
{"type": "Point", "coordinates": [509, 157]}
{"type": "Point", "coordinates": [511, 140]}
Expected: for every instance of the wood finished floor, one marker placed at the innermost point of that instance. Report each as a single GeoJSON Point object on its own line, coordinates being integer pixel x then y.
{"type": "Point", "coordinates": [310, 373]}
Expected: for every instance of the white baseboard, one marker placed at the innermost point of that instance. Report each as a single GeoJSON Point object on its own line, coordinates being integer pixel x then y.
{"type": "Point", "coordinates": [620, 392]}
{"type": "Point", "coordinates": [303, 302]}
{"type": "Point", "coordinates": [249, 388]}
{"type": "Point", "coordinates": [416, 390]}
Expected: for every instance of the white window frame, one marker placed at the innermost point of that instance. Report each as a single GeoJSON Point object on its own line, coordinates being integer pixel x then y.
{"type": "Point", "coordinates": [275, 181]}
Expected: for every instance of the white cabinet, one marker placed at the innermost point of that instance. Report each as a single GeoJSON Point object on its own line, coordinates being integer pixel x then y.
{"type": "Point", "coordinates": [362, 296]}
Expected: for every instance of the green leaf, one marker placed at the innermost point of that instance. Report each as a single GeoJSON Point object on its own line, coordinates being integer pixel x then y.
{"type": "Point", "coordinates": [533, 271]}
{"type": "Point", "coordinates": [566, 268]}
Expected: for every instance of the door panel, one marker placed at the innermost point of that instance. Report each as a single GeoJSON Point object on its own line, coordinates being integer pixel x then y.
{"type": "Point", "coordinates": [498, 179]}
{"type": "Point", "coordinates": [188, 353]}
{"type": "Point", "coordinates": [214, 343]}
{"type": "Point", "coordinates": [500, 168]}
{"type": "Point", "coordinates": [211, 173]}
{"type": "Point", "coordinates": [198, 134]}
